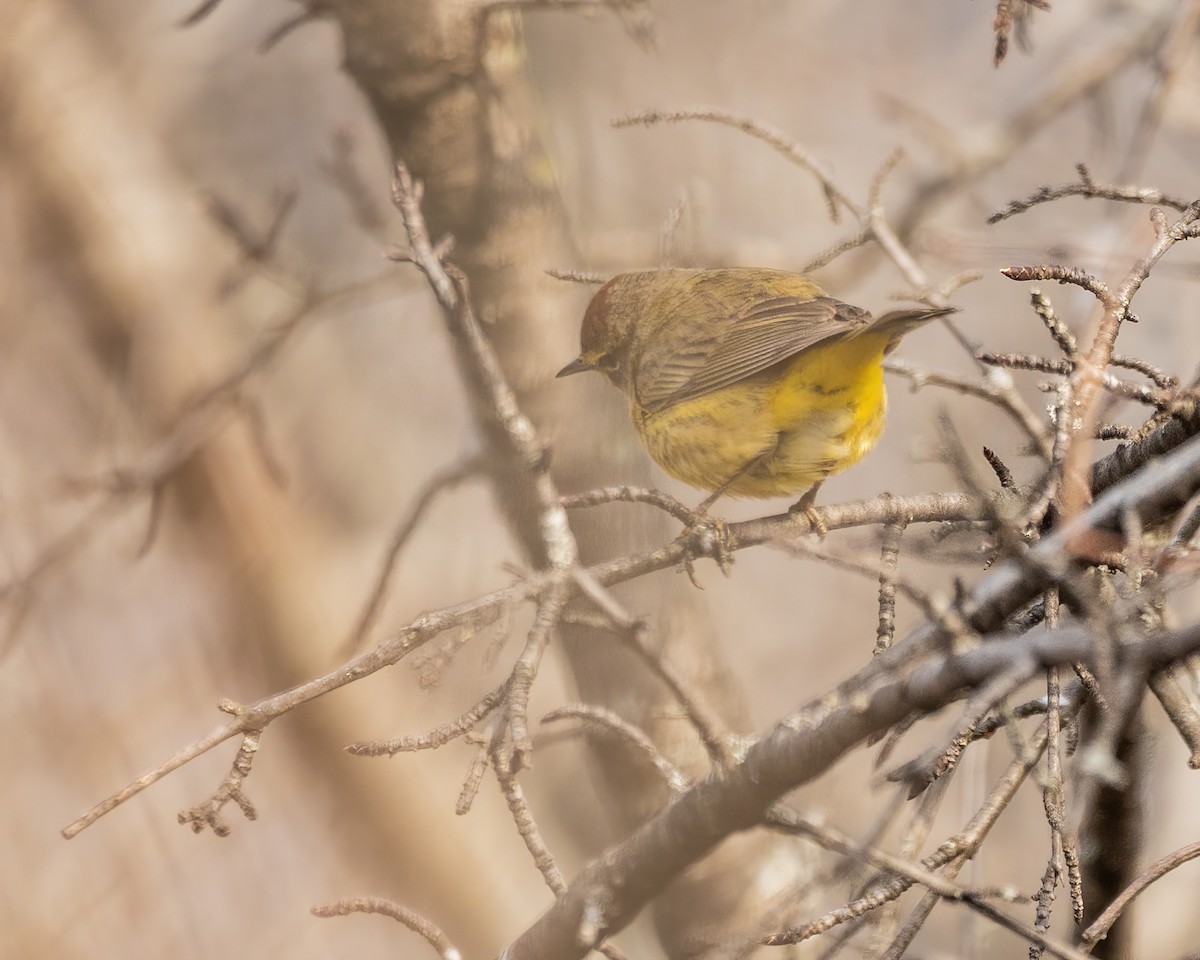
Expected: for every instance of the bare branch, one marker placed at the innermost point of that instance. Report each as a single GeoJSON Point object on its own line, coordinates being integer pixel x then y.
{"type": "Point", "coordinates": [953, 850]}
{"type": "Point", "coordinates": [636, 634]}
{"type": "Point", "coordinates": [513, 748]}
{"type": "Point", "coordinates": [1163, 487]}
{"type": "Point", "coordinates": [414, 921]}
{"type": "Point", "coordinates": [1100, 927]}
{"type": "Point", "coordinates": [793, 151]}
{"type": "Point", "coordinates": [1180, 709]}
{"type": "Point", "coordinates": [889, 556]}
{"type": "Point", "coordinates": [439, 736]}
{"type": "Point", "coordinates": [1087, 187]}
{"type": "Point", "coordinates": [804, 744]}
{"type": "Point", "coordinates": [663, 501]}
{"type": "Point", "coordinates": [577, 276]}
{"type": "Point", "coordinates": [513, 434]}
{"type": "Point", "coordinates": [209, 412]}
{"type": "Point", "coordinates": [527, 827]}
{"type": "Point", "coordinates": [208, 814]}
{"type": "Point", "coordinates": [801, 746]}
{"type": "Point", "coordinates": [257, 716]}
{"type": "Point", "coordinates": [1061, 275]}
{"type": "Point", "coordinates": [607, 720]}
{"type": "Point", "coordinates": [438, 484]}
{"type": "Point", "coordinates": [988, 389]}
{"type": "Point", "coordinates": [474, 778]}
{"type": "Point", "coordinates": [943, 888]}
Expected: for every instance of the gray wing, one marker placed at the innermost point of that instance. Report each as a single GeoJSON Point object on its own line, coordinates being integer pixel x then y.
{"type": "Point", "coordinates": [770, 331]}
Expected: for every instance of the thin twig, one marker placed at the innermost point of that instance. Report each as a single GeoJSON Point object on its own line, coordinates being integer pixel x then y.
{"type": "Point", "coordinates": [1162, 488]}
{"type": "Point", "coordinates": [624, 494]}
{"type": "Point", "coordinates": [208, 412]}
{"type": "Point", "coordinates": [1087, 187]}
{"type": "Point", "coordinates": [1052, 790]}
{"type": "Point", "coordinates": [231, 790]}
{"type": "Point", "coordinates": [514, 747]}
{"type": "Point", "coordinates": [964, 844]}
{"type": "Point", "coordinates": [1102, 924]}
{"type": "Point", "coordinates": [797, 154]}
{"type": "Point", "coordinates": [988, 389]}
{"type": "Point", "coordinates": [527, 827]}
{"type": "Point", "coordinates": [577, 276]}
{"type": "Point", "coordinates": [474, 777]}
{"type": "Point", "coordinates": [636, 632]}
{"type": "Point", "coordinates": [439, 736]}
{"type": "Point", "coordinates": [513, 437]}
{"type": "Point", "coordinates": [1180, 709]}
{"type": "Point", "coordinates": [411, 919]}
{"type": "Point", "coordinates": [889, 555]}
{"type": "Point", "coordinates": [438, 484]}
{"type": "Point", "coordinates": [608, 720]}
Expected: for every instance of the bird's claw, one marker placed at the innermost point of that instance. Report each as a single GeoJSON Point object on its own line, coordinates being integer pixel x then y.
{"type": "Point", "coordinates": [706, 537]}
{"type": "Point", "coordinates": [815, 523]}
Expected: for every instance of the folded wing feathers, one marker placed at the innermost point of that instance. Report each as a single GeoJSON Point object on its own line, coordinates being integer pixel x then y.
{"type": "Point", "coordinates": [771, 331]}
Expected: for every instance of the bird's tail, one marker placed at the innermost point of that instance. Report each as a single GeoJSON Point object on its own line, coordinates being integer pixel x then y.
{"type": "Point", "coordinates": [899, 322]}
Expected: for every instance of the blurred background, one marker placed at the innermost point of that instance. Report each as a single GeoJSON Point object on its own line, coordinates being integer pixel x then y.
{"type": "Point", "coordinates": [143, 167]}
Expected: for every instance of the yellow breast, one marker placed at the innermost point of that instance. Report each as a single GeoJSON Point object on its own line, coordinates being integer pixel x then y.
{"type": "Point", "coordinates": [801, 420]}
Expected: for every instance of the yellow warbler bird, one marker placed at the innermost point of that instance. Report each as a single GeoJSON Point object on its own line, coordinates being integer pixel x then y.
{"type": "Point", "coordinates": [744, 381]}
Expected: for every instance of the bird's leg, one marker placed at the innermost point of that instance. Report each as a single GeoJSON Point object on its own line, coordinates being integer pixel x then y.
{"type": "Point", "coordinates": [741, 471]}
{"type": "Point", "coordinates": [745, 468]}
{"type": "Point", "coordinates": [805, 506]}
{"type": "Point", "coordinates": [716, 546]}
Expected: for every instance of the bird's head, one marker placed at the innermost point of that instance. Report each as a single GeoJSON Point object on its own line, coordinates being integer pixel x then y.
{"type": "Point", "coordinates": [607, 331]}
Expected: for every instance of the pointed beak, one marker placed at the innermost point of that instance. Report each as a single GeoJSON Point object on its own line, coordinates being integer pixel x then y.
{"type": "Point", "coordinates": [578, 365]}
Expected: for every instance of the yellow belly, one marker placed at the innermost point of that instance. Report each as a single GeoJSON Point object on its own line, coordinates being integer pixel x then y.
{"type": "Point", "coordinates": [798, 422]}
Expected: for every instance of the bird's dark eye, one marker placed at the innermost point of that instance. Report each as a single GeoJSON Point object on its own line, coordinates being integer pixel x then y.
{"type": "Point", "coordinates": [608, 363]}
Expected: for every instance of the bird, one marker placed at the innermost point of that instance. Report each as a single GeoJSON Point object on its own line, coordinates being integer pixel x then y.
{"type": "Point", "coordinates": [744, 381]}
